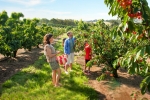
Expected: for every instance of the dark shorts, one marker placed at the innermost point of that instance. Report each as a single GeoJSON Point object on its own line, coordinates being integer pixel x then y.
{"type": "Point", "coordinates": [86, 61]}
{"type": "Point", "coordinates": [54, 65]}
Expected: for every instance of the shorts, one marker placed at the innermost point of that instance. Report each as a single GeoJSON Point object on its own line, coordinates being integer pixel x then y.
{"type": "Point", "coordinates": [54, 65]}
{"type": "Point", "coordinates": [70, 58]}
{"type": "Point", "coordinates": [86, 61]}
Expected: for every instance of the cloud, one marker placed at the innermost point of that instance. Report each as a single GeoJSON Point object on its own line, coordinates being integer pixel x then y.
{"type": "Point", "coordinates": [26, 2]}
{"type": "Point", "coordinates": [29, 2]}
{"type": "Point", "coordinates": [40, 13]}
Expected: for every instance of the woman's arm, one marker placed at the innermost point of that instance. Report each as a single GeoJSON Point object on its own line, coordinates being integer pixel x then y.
{"type": "Point", "coordinates": [65, 47]}
{"type": "Point", "coordinates": [49, 52]}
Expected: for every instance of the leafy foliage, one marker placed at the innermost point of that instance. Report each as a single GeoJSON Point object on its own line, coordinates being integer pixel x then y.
{"type": "Point", "coordinates": [16, 33]}
{"type": "Point", "coordinates": [135, 17]}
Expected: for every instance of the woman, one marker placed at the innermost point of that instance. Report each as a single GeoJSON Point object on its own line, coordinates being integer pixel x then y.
{"type": "Point", "coordinates": [50, 53]}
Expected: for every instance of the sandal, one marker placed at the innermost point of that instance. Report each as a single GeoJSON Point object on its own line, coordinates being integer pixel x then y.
{"type": "Point", "coordinates": [59, 85]}
{"type": "Point", "coordinates": [85, 71]}
{"type": "Point", "coordinates": [88, 73]}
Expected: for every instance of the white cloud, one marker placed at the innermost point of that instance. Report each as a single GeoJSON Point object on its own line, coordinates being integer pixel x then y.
{"type": "Point", "coordinates": [47, 13]}
{"type": "Point", "coordinates": [36, 13]}
{"type": "Point", "coordinates": [29, 2]}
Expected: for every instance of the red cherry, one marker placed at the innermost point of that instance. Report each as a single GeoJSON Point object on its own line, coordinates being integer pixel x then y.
{"type": "Point", "coordinates": [127, 30]}
{"type": "Point", "coordinates": [139, 13]}
{"type": "Point", "coordinates": [122, 4]}
{"type": "Point", "coordinates": [139, 17]}
{"type": "Point", "coordinates": [129, 14]}
{"type": "Point", "coordinates": [132, 15]}
{"type": "Point", "coordinates": [129, 2]}
{"type": "Point", "coordinates": [118, 0]}
{"type": "Point", "coordinates": [134, 32]}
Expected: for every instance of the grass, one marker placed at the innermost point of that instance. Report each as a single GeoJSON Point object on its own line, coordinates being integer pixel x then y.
{"type": "Point", "coordinates": [113, 84]}
{"type": "Point", "coordinates": [35, 83]}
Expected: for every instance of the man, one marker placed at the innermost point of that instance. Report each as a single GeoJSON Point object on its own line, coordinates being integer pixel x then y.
{"type": "Point", "coordinates": [69, 51]}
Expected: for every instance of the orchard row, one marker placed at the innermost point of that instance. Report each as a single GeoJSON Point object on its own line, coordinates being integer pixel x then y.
{"type": "Point", "coordinates": [17, 32]}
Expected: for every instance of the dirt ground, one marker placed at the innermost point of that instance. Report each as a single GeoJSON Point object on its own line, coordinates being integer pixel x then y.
{"type": "Point", "coordinates": [121, 90]}
{"type": "Point", "coordinates": [10, 66]}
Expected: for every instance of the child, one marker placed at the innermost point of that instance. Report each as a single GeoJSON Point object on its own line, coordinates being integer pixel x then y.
{"type": "Point", "coordinates": [88, 56]}
{"type": "Point", "coordinates": [63, 41]}
{"type": "Point", "coordinates": [62, 59]}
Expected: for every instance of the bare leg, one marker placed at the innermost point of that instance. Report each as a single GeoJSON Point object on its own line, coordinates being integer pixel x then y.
{"type": "Point", "coordinates": [70, 66]}
{"type": "Point", "coordinates": [88, 69]}
{"type": "Point", "coordinates": [58, 76]}
{"type": "Point", "coordinates": [54, 76]}
{"type": "Point", "coordinates": [84, 66]}
{"type": "Point", "coordinates": [66, 66]}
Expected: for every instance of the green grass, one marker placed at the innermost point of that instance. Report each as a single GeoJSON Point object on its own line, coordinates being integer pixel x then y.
{"type": "Point", "coordinates": [35, 83]}
{"type": "Point", "coordinates": [113, 84]}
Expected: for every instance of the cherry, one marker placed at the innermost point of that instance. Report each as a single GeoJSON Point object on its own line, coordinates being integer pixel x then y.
{"type": "Point", "coordinates": [139, 17]}
{"type": "Point", "coordinates": [134, 32]}
{"type": "Point", "coordinates": [139, 13]}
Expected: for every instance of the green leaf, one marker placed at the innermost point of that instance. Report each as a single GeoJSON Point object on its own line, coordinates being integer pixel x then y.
{"type": "Point", "coordinates": [132, 68]}
{"type": "Point", "coordinates": [143, 52]}
{"type": "Point", "coordinates": [146, 71]}
{"type": "Point", "coordinates": [143, 88]}
{"type": "Point", "coordinates": [137, 56]}
{"type": "Point", "coordinates": [131, 26]}
{"type": "Point", "coordinates": [148, 87]}
{"type": "Point", "coordinates": [128, 60]}
{"type": "Point", "coordinates": [148, 49]}
{"type": "Point", "coordinates": [147, 80]}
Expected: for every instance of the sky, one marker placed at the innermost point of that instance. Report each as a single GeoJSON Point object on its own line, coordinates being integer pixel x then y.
{"type": "Point", "coordinates": [61, 9]}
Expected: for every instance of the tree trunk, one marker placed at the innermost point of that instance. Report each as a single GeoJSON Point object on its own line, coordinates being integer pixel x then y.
{"type": "Point", "coordinates": [37, 46]}
{"type": "Point", "coordinates": [15, 53]}
{"type": "Point", "coordinates": [115, 71]}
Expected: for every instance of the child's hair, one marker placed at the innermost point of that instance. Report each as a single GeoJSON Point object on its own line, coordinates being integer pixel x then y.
{"type": "Point", "coordinates": [64, 40]}
{"type": "Point", "coordinates": [85, 42]}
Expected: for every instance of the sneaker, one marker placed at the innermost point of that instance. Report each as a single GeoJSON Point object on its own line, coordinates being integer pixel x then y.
{"type": "Point", "coordinates": [71, 70]}
{"type": "Point", "coordinates": [66, 72]}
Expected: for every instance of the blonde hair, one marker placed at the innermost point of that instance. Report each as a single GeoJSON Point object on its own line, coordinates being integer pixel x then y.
{"type": "Point", "coordinates": [68, 32]}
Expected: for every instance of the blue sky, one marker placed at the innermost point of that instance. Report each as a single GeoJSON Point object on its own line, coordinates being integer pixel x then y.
{"type": "Point", "coordinates": [62, 9]}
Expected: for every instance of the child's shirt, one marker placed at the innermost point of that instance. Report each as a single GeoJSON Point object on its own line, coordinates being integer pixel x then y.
{"type": "Point", "coordinates": [88, 52]}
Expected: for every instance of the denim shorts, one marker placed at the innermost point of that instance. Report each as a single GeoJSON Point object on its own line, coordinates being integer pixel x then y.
{"type": "Point", "coordinates": [54, 65]}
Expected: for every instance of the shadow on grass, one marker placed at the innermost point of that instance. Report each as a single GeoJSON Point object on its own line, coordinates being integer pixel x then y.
{"type": "Point", "coordinates": [34, 75]}
{"type": "Point", "coordinates": [11, 66]}
{"type": "Point", "coordinates": [131, 80]}
{"type": "Point", "coordinates": [84, 90]}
